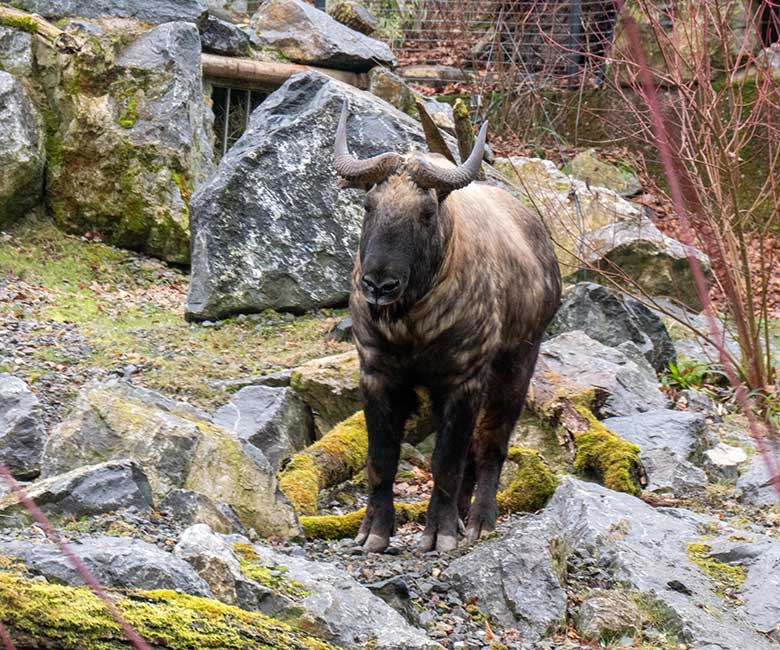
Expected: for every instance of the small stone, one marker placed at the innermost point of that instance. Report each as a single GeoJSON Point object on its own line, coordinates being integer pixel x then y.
{"type": "Point", "coordinates": [606, 615]}
{"type": "Point", "coordinates": [22, 435]}
{"type": "Point", "coordinates": [722, 462]}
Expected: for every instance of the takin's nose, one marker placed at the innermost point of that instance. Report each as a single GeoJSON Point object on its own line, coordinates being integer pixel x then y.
{"type": "Point", "coordinates": [380, 286]}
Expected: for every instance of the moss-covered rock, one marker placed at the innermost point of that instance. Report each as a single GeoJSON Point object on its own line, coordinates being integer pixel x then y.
{"type": "Point", "coordinates": [607, 457]}
{"type": "Point", "coordinates": [177, 446]}
{"type": "Point", "coordinates": [533, 484]}
{"type": "Point", "coordinates": [690, 37]}
{"type": "Point", "coordinates": [331, 387]}
{"type": "Point", "coordinates": [568, 207]}
{"type": "Point", "coordinates": [41, 615]}
{"type": "Point", "coordinates": [587, 166]}
{"type": "Point", "coordinates": [129, 138]}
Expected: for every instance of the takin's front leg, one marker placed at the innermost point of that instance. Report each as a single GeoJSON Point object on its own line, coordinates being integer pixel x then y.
{"type": "Point", "coordinates": [449, 460]}
{"type": "Point", "coordinates": [387, 409]}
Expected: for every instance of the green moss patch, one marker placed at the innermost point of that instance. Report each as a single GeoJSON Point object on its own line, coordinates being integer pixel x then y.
{"type": "Point", "coordinates": [272, 577]}
{"type": "Point", "coordinates": [335, 458]}
{"type": "Point", "coordinates": [533, 485]}
{"type": "Point", "coordinates": [726, 578]}
{"type": "Point", "coordinates": [38, 614]}
{"type": "Point", "coordinates": [130, 310]}
{"type": "Point", "coordinates": [606, 456]}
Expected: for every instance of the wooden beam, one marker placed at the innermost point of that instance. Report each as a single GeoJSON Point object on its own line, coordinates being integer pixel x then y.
{"type": "Point", "coordinates": [266, 73]}
{"type": "Point", "coordinates": [34, 24]}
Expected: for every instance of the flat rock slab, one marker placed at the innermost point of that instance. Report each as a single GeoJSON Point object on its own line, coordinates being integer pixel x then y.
{"type": "Point", "coordinates": [670, 443]}
{"type": "Point", "coordinates": [572, 363]}
{"type": "Point", "coordinates": [86, 491]}
{"type": "Point", "coordinates": [341, 610]}
{"type": "Point", "coordinates": [148, 11]}
{"type": "Point", "coordinates": [304, 34]}
{"type": "Point", "coordinates": [115, 562]}
{"type": "Point", "coordinates": [639, 549]}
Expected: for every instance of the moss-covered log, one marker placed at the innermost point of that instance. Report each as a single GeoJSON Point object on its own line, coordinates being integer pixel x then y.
{"type": "Point", "coordinates": [339, 455]}
{"type": "Point", "coordinates": [34, 24]}
{"type": "Point", "coordinates": [39, 615]}
{"type": "Point", "coordinates": [333, 459]}
{"type": "Point", "coordinates": [532, 487]}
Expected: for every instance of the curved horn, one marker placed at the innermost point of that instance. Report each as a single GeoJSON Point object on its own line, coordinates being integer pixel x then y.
{"type": "Point", "coordinates": [446, 180]}
{"type": "Point", "coordinates": [369, 171]}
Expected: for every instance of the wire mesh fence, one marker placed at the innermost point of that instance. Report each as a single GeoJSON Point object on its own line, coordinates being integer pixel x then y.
{"type": "Point", "coordinates": [483, 39]}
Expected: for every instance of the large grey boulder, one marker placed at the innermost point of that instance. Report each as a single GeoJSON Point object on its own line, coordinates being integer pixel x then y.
{"type": "Point", "coordinates": [670, 444]}
{"type": "Point", "coordinates": [85, 491]}
{"type": "Point", "coordinates": [304, 34]}
{"type": "Point", "coordinates": [178, 447]}
{"type": "Point", "coordinates": [22, 435]}
{"type": "Point", "coordinates": [115, 561]}
{"type": "Point", "coordinates": [134, 139]}
{"type": "Point", "coordinates": [658, 554]}
{"type": "Point", "coordinates": [148, 11]}
{"type": "Point", "coordinates": [656, 263]}
{"type": "Point", "coordinates": [275, 420]}
{"type": "Point", "coordinates": [572, 363]}
{"type": "Point", "coordinates": [516, 582]}
{"type": "Point", "coordinates": [22, 151]}
{"type": "Point", "coordinates": [16, 56]}
{"type": "Point", "coordinates": [272, 228]}
{"type": "Point", "coordinates": [612, 318]}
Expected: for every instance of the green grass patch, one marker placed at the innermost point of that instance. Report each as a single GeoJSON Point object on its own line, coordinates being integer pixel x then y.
{"type": "Point", "coordinates": [130, 310]}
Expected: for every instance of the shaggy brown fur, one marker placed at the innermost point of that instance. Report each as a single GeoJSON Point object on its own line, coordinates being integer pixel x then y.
{"type": "Point", "coordinates": [479, 283]}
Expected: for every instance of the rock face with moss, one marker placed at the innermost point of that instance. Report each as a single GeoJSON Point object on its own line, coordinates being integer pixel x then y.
{"type": "Point", "coordinates": [587, 166]}
{"type": "Point", "coordinates": [649, 259]}
{"type": "Point", "coordinates": [177, 446]}
{"type": "Point", "coordinates": [701, 591]}
{"type": "Point", "coordinates": [16, 55]}
{"type": "Point", "coordinates": [331, 387]}
{"type": "Point", "coordinates": [692, 34]}
{"type": "Point", "coordinates": [129, 140]}
{"type": "Point", "coordinates": [568, 207]}
{"type": "Point", "coordinates": [22, 159]}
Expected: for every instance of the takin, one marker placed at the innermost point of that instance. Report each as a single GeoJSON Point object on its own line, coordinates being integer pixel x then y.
{"type": "Point", "coordinates": [454, 284]}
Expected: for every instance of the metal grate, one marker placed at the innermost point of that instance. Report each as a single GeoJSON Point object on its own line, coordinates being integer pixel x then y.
{"type": "Point", "coordinates": [232, 109]}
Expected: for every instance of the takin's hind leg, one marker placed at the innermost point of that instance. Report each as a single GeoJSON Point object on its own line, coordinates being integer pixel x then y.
{"type": "Point", "coordinates": [501, 410]}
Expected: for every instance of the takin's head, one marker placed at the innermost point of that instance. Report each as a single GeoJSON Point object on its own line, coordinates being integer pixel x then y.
{"type": "Point", "coordinates": [402, 240]}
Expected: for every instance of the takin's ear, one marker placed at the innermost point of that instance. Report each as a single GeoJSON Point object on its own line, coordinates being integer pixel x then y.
{"type": "Point", "coordinates": [433, 136]}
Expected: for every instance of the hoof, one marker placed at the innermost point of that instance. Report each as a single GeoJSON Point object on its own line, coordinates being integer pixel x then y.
{"type": "Point", "coordinates": [376, 543]}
